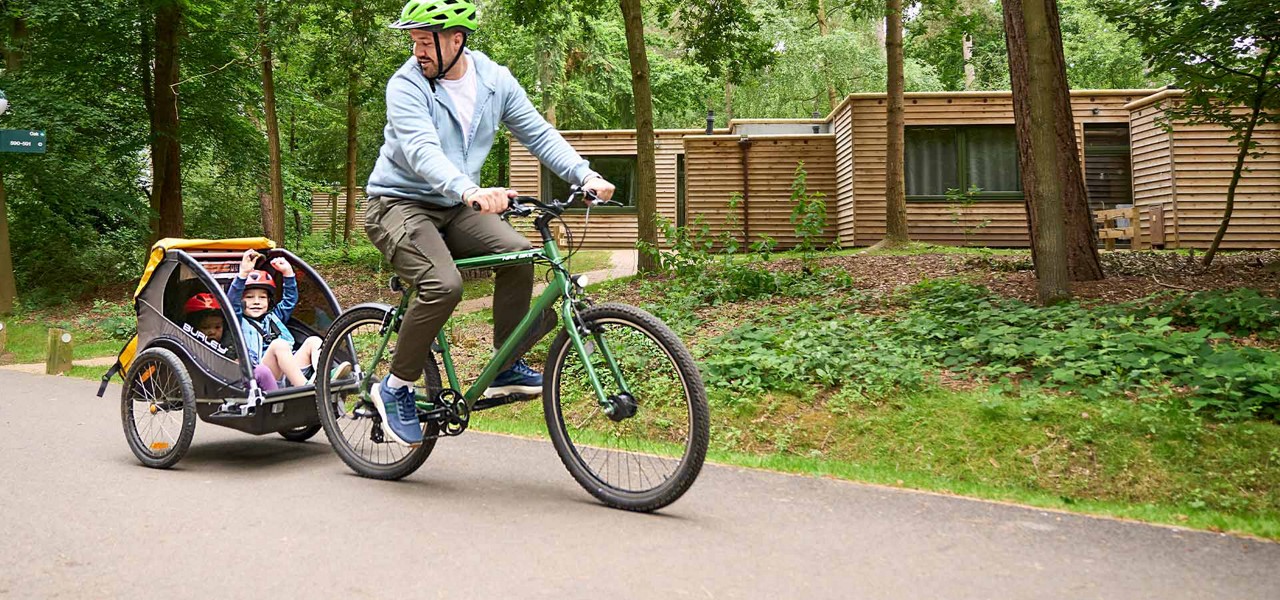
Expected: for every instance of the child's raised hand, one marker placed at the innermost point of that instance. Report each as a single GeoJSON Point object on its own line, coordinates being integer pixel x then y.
{"type": "Point", "coordinates": [247, 262]}
{"type": "Point", "coordinates": [282, 265]}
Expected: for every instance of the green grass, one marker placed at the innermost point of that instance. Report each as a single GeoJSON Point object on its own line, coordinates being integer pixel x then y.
{"type": "Point", "coordinates": [27, 342]}
{"type": "Point", "coordinates": [1113, 457]}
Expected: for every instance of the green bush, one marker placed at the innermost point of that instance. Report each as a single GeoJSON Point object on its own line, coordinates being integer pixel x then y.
{"type": "Point", "coordinates": [1238, 312]}
{"type": "Point", "coordinates": [1094, 352]}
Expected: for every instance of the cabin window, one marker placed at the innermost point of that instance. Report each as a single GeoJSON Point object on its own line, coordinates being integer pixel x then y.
{"type": "Point", "coordinates": [939, 159]}
{"type": "Point", "coordinates": [620, 170]}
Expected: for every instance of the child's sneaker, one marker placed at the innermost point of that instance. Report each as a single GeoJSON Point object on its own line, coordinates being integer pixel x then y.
{"type": "Point", "coordinates": [399, 413]}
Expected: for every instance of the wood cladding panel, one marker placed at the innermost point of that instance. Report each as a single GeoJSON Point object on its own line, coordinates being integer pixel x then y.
{"type": "Point", "coordinates": [322, 211]}
{"type": "Point", "coordinates": [1203, 159]}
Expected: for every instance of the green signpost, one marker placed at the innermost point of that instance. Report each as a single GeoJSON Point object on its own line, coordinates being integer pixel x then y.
{"type": "Point", "coordinates": [26, 141]}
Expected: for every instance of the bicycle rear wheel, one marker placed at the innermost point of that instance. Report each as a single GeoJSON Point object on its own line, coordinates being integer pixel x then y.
{"type": "Point", "coordinates": [351, 422]}
{"type": "Point", "coordinates": [648, 453]}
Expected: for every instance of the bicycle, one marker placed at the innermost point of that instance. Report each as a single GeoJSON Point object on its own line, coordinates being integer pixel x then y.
{"type": "Point", "coordinates": [622, 397]}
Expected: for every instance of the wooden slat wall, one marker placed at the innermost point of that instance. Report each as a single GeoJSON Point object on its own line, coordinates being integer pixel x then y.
{"type": "Point", "coordinates": [712, 172]}
{"type": "Point", "coordinates": [1005, 222]}
{"type": "Point", "coordinates": [1152, 172]}
{"type": "Point", "coordinates": [606, 230]}
{"type": "Point", "coordinates": [322, 210]}
{"type": "Point", "coordinates": [1203, 159]}
{"type": "Point", "coordinates": [772, 163]}
{"type": "Point", "coordinates": [845, 216]}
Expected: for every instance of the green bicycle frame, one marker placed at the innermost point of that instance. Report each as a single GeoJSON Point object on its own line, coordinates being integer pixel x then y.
{"type": "Point", "coordinates": [557, 290]}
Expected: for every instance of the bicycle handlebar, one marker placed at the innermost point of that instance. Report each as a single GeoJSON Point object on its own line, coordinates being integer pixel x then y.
{"type": "Point", "coordinates": [523, 206]}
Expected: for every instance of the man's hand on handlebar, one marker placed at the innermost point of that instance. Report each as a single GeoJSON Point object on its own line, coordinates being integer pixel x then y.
{"type": "Point", "coordinates": [599, 187]}
{"type": "Point", "coordinates": [489, 200]}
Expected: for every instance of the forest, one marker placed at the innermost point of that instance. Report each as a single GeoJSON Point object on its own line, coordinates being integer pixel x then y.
{"type": "Point", "coordinates": [277, 99]}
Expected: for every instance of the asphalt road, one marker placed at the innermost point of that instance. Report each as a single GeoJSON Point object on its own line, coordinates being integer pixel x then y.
{"type": "Point", "coordinates": [498, 517]}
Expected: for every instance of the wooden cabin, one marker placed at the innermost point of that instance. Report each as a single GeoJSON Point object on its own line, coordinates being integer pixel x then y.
{"type": "Point", "coordinates": [956, 142]}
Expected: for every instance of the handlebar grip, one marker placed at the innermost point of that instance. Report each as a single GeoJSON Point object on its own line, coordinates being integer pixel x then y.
{"type": "Point", "coordinates": [475, 206]}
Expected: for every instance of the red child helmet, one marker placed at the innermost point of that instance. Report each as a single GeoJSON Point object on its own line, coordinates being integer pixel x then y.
{"type": "Point", "coordinates": [201, 301]}
{"type": "Point", "coordinates": [260, 279]}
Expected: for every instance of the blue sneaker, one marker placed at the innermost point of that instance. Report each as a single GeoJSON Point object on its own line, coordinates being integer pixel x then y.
{"type": "Point", "coordinates": [519, 379]}
{"type": "Point", "coordinates": [399, 413]}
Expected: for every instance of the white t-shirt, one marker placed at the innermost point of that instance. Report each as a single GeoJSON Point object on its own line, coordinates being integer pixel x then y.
{"type": "Point", "coordinates": [463, 93]}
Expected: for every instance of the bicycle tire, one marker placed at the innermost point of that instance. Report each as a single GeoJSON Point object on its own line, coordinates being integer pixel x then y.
{"type": "Point", "coordinates": [403, 461]}
{"type": "Point", "coordinates": [610, 320]}
{"type": "Point", "coordinates": [301, 433]}
{"type": "Point", "coordinates": [158, 378]}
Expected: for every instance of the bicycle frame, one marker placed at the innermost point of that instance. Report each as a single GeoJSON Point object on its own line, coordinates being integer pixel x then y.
{"type": "Point", "coordinates": [558, 289]}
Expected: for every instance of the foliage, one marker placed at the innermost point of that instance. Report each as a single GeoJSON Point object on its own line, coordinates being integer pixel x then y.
{"type": "Point", "coordinates": [957, 202]}
{"type": "Point", "coordinates": [826, 344]}
{"type": "Point", "coordinates": [809, 216]}
{"type": "Point", "coordinates": [1096, 352]}
{"type": "Point", "coordinates": [1241, 312]}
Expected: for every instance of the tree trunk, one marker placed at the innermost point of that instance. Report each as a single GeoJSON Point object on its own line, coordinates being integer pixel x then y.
{"type": "Point", "coordinates": [823, 30]}
{"type": "Point", "coordinates": [8, 281]}
{"type": "Point", "coordinates": [1035, 89]}
{"type": "Point", "coordinates": [728, 100]}
{"type": "Point", "coordinates": [547, 81]}
{"type": "Point", "coordinates": [273, 214]}
{"type": "Point", "coordinates": [353, 147]}
{"type": "Point", "coordinates": [647, 182]}
{"type": "Point", "coordinates": [895, 199]}
{"type": "Point", "coordinates": [1083, 263]}
{"type": "Point", "coordinates": [166, 159]}
{"type": "Point", "coordinates": [1259, 95]}
{"type": "Point", "coordinates": [146, 53]}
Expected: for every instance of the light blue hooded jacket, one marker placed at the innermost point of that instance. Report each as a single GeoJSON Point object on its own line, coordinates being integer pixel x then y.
{"type": "Point", "coordinates": [425, 155]}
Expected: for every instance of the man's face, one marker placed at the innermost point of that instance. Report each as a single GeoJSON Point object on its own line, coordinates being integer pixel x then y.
{"type": "Point", "coordinates": [211, 326]}
{"type": "Point", "coordinates": [256, 302]}
{"type": "Point", "coordinates": [424, 49]}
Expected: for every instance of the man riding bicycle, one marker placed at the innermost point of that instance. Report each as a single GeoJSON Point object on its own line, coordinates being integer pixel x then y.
{"type": "Point", "coordinates": [444, 107]}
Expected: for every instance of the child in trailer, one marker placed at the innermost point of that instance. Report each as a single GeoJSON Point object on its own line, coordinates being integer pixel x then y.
{"type": "Point", "coordinates": [204, 320]}
{"type": "Point", "coordinates": [270, 343]}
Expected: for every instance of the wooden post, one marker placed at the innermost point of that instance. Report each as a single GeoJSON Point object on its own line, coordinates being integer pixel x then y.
{"type": "Point", "coordinates": [3, 335]}
{"type": "Point", "coordinates": [59, 352]}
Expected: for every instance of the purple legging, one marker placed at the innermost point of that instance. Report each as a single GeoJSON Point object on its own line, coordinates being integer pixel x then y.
{"type": "Point", "coordinates": [266, 381]}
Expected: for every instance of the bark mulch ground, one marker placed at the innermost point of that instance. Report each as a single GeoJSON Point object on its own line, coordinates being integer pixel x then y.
{"type": "Point", "coordinates": [1130, 275]}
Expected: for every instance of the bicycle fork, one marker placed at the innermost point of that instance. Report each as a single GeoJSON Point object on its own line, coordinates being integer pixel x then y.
{"type": "Point", "coordinates": [617, 407]}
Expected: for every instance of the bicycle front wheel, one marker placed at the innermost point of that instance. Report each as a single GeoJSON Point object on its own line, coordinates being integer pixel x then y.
{"type": "Point", "coordinates": [649, 451]}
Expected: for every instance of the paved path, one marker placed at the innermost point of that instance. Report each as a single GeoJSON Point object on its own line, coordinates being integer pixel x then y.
{"type": "Point", "coordinates": [622, 264]}
{"type": "Point", "coordinates": [39, 368]}
{"type": "Point", "coordinates": [498, 517]}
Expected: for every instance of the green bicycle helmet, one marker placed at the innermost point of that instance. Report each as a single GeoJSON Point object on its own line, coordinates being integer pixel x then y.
{"type": "Point", "coordinates": [438, 15]}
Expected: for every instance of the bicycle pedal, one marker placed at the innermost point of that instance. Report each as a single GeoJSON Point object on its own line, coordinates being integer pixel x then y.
{"type": "Point", "coordinates": [496, 401]}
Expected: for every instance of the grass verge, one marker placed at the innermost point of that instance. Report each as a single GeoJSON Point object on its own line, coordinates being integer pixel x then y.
{"type": "Point", "coordinates": [1113, 458]}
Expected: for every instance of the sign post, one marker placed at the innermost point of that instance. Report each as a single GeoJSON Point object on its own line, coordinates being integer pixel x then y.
{"type": "Point", "coordinates": [25, 141]}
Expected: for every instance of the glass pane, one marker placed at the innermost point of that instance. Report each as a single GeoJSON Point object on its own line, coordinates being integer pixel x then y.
{"type": "Point", "coordinates": [930, 154]}
{"type": "Point", "coordinates": [619, 170]}
{"type": "Point", "coordinates": [992, 154]}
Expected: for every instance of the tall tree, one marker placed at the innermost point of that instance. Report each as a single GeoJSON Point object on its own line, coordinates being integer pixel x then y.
{"type": "Point", "coordinates": [647, 178]}
{"type": "Point", "coordinates": [1226, 56]}
{"type": "Point", "coordinates": [166, 147]}
{"type": "Point", "coordinates": [895, 197]}
{"type": "Point", "coordinates": [8, 283]}
{"type": "Point", "coordinates": [1044, 144]}
{"type": "Point", "coordinates": [273, 216]}
{"type": "Point", "coordinates": [1057, 202]}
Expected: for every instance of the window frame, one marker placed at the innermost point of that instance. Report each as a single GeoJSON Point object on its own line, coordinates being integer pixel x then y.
{"type": "Point", "coordinates": [960, 139]}
{"type": "Point", "coordinates": [546, 178]}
